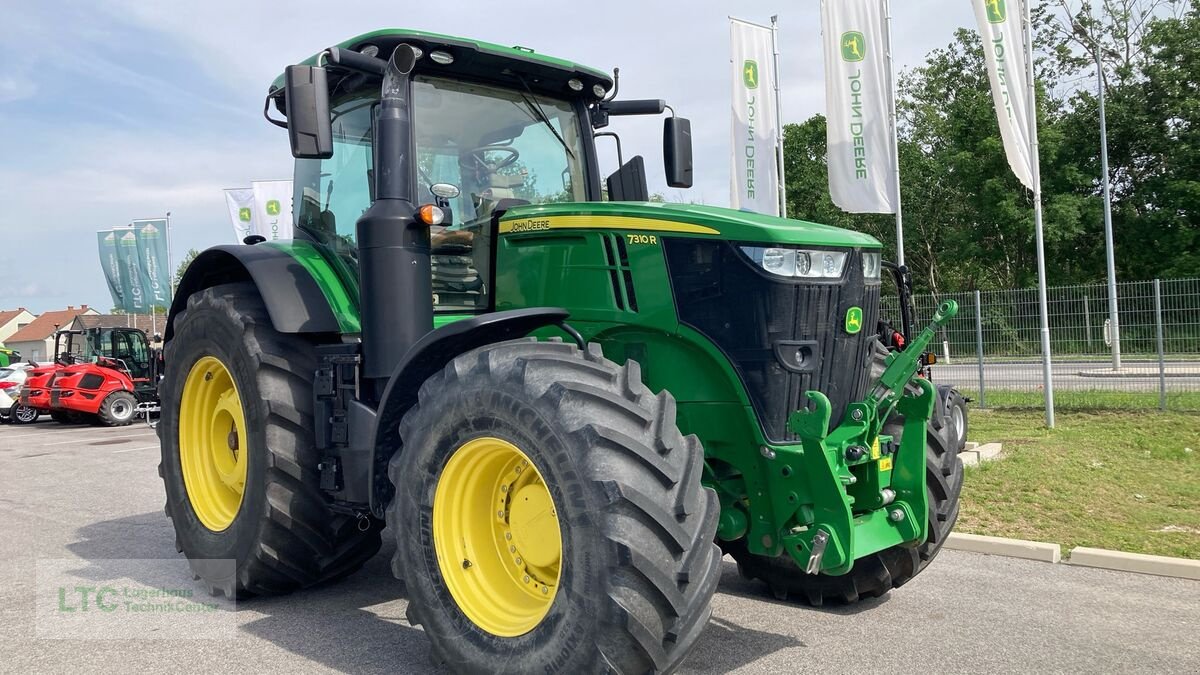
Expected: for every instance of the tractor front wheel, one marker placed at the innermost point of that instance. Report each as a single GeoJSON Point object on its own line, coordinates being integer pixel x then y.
{"type": "Point", "coordinates": [239, 460]}
{"type": "Point", "coordinates": [549, 516]}
{"type": "Point", "coordinates": [117, 409]}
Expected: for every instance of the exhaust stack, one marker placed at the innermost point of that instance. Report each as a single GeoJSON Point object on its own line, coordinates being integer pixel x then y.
{"type": "Point", "coordinates": [393, 245]}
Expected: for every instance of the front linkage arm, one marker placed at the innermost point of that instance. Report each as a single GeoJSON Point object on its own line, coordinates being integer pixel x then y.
{"type": "Point", "coordinates": [867, 496]}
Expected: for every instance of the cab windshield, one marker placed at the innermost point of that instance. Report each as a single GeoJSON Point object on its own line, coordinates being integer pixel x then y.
{"type": "Point", "coordinates": [499, 147]}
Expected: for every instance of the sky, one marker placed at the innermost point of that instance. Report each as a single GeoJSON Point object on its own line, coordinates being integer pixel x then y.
{"type": "Point", "coordinates": [112, 110]}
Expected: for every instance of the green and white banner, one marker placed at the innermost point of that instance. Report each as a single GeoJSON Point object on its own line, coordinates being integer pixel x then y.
{"type": "Point", "coordinates": [134, 296]}
{"type": "Point", "coordinates": [240, 202]}
{"type": "Point", "coordinates": [151, 237]}
{"type": "Point", "coordinates": [1004, 50]}
{"type": "Point", "coordinates": [860, 143]}
{"type": "Point", "coordinates": [753, 175]}
{"type": "Point", "coordinates": [273, 208]}
{"type": "Point", "coordinates": [111, 264]}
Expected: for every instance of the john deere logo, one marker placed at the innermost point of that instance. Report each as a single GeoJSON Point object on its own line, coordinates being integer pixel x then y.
{"type": "Point", "coordinates": [854, 46]}
{"type": "Point", "coordinates": [272, 207]}
{"type": "Point", "coordinates": [854, 320]}
{"type": "Point", "coordinates": [750, 74]}
{"type": "Point", "coordinates": [996, 11]}
{"type": "Point", "coordinates": [244, 213]}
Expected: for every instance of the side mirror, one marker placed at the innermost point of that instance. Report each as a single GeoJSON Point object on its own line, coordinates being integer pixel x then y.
{"type": "Point", "coordinates": [306, 98]}
{"type": "Point", "coordinates": [677, 151]}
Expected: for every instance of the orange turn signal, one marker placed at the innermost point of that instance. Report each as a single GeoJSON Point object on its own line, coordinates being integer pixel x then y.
{"type": "Point", "coordinates": [431, 215]}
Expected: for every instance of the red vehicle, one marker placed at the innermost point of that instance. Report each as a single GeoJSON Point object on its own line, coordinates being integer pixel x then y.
{"type": "Point", "coordinates": [102, 375]}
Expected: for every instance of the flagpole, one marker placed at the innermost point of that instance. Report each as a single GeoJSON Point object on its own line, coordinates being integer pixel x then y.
{"type": "Point", "coordinates": [1036, 175]}
{"type": "Point", "coordinates": [891, 70]}
{"type": "Point", "coordinates": [782, 187]}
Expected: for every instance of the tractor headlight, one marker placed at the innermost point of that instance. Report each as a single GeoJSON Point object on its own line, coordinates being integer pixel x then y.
{"type": "Point", "coordinates": [798, 263]}
{"type": "Point", "coordinates": [870, 265]}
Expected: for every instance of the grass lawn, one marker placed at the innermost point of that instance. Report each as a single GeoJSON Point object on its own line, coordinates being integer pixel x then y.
{"type": "Point", "coordinates": [1121, 480]}
{"type": "Point", "coordinates": [1088, 400]}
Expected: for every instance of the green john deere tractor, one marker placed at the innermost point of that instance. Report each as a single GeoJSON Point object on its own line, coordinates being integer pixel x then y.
{"type": "Point", "coordinates": [563, 409]}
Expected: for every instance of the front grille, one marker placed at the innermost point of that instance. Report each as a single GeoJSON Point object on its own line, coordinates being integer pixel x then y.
{"type": "Point", "coordinates": [784, 337]}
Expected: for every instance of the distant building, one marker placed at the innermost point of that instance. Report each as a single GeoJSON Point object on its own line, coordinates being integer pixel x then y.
{"type": "Point", "coordinates": [36, 340]}
{"type": "Point", "coordinates": [13, 320]}
{"type": "Point", "coordinates": [151, 325]}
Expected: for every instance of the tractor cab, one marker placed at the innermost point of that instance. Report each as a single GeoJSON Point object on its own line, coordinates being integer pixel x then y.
{"type": "Point", "coordinates": [492, 128]}
{"type": "Point", "coordinates": [124, 349]}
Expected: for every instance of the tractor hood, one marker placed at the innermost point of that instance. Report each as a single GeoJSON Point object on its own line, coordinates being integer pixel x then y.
{"type": "Point", "coordinates": [682, 219]}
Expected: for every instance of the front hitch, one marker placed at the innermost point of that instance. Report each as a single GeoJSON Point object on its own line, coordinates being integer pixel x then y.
{"type": "Point", "coordinates": [868, 494]}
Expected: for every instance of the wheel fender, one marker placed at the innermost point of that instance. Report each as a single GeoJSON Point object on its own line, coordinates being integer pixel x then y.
{"type": "Point", "coordinates": [425, 358]}
{"type": "Point", "coordinates": [294, 300]}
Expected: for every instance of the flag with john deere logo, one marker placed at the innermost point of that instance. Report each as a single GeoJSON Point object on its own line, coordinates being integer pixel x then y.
{"type": "Point", "coordinates": [1004, 50]}
{"type": "Point", "coordinates": [134, 297]}
{"type": "Point", "coordinates": [111, 264]}
{"type": "Point", "coordinates": [753, 177]}
{"type": "Point", "coordinates": [240, 202]}
{"type": "Point", "coordinates": [860, 144]}
{"type": "Point", "coordinates": [151, 237]}
{"type": "Point", "coordinates": [273, 208]}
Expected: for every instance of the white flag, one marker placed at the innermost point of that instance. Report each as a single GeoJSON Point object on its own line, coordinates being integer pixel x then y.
{"type": "Point", "coordinates": [241, 211]}
{"type": "Point", "coordinates": [273, 208]}
{"type": "Point", "coordinates": [860, 151]}
{"type": "Point", "coordinates": [1004, 50]}
{"type": "Point", "coordinates": [753, 181]}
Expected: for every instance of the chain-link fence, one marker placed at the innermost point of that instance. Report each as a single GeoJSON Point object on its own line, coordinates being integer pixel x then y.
{"type": "Point", "coordinates": [992, 349]}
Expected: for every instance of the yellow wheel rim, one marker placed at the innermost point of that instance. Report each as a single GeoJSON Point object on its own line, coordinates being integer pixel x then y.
{"type": "Point", "coordinates": [212, 443]}
{"type": "Point", "coordinates": [496, 535]}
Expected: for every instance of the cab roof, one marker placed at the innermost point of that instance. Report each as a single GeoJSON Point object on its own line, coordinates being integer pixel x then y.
{"type": "Point", "coordinates": [477, 59]}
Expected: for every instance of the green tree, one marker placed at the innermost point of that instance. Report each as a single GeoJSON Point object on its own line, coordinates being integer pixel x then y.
{"type": "Point", "coordinates": [183, 265]}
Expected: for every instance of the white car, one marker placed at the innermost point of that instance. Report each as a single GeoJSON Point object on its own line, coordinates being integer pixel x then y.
{"type": "Point", "coordinates": [12, 378]}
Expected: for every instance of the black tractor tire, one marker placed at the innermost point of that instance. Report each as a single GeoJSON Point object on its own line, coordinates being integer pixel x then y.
{"type": "Point", "coordinates": [639, 566]}
{"type": "Point", "coordinates": [957, 421]}
{"type": "Point", "coordinates": [23, 414]}
{"type": "Point", "coordinates": [284, 536]}
{"type": "Point", "coordinates": [875, 574]}
{"type": "Point", "coordinates": [117, 409]}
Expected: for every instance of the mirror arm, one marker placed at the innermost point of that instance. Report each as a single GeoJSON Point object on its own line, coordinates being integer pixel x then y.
{"type": "Point", "coordinates": [267, 109]}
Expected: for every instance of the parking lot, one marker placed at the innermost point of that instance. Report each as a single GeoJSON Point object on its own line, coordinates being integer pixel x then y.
{"type": "Point", "coordinates": [93, 495]}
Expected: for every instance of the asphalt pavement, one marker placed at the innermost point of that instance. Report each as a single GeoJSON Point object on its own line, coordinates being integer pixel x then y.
{"type": "Point", "coordinates": [1026, 375]}
{"type": "Point", "coordinates": [89, 500]}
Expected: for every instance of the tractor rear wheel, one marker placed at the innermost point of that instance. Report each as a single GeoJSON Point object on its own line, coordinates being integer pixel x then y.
{"type": "Point", "coordinates": [238, 457]}
{"type": "Point", "coordinates": [878, 573]}
{"type": "Point", "coordinates": [549, 516]}
{"type": "Point", "coordinates": [117, 409]}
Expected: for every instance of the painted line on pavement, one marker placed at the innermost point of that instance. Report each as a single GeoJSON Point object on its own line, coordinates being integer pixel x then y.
{"type": "Point", "coordinates": [144, 447]}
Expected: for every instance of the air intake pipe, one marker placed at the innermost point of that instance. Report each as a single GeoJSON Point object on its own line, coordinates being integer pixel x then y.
{"type": "Point", "coordinates": [393, 245]}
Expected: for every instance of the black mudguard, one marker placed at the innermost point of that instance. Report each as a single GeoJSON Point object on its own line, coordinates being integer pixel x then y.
{"type": "Point", "coordinates": [294, 301]}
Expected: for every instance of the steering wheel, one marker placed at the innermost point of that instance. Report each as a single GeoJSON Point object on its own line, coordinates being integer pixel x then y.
{"type": "Point", "coordinates": [508, 160]}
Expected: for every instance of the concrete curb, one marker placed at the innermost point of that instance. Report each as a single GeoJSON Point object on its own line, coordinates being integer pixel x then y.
{"type": "Point", "coordinates": [1081, 556]}
{"type": "Point", "coordinates": [1013, 548]}
{"type": "Point", "coordinates": [1160, 565]}
{"type": "Point", "coordinates": [986, 452]}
